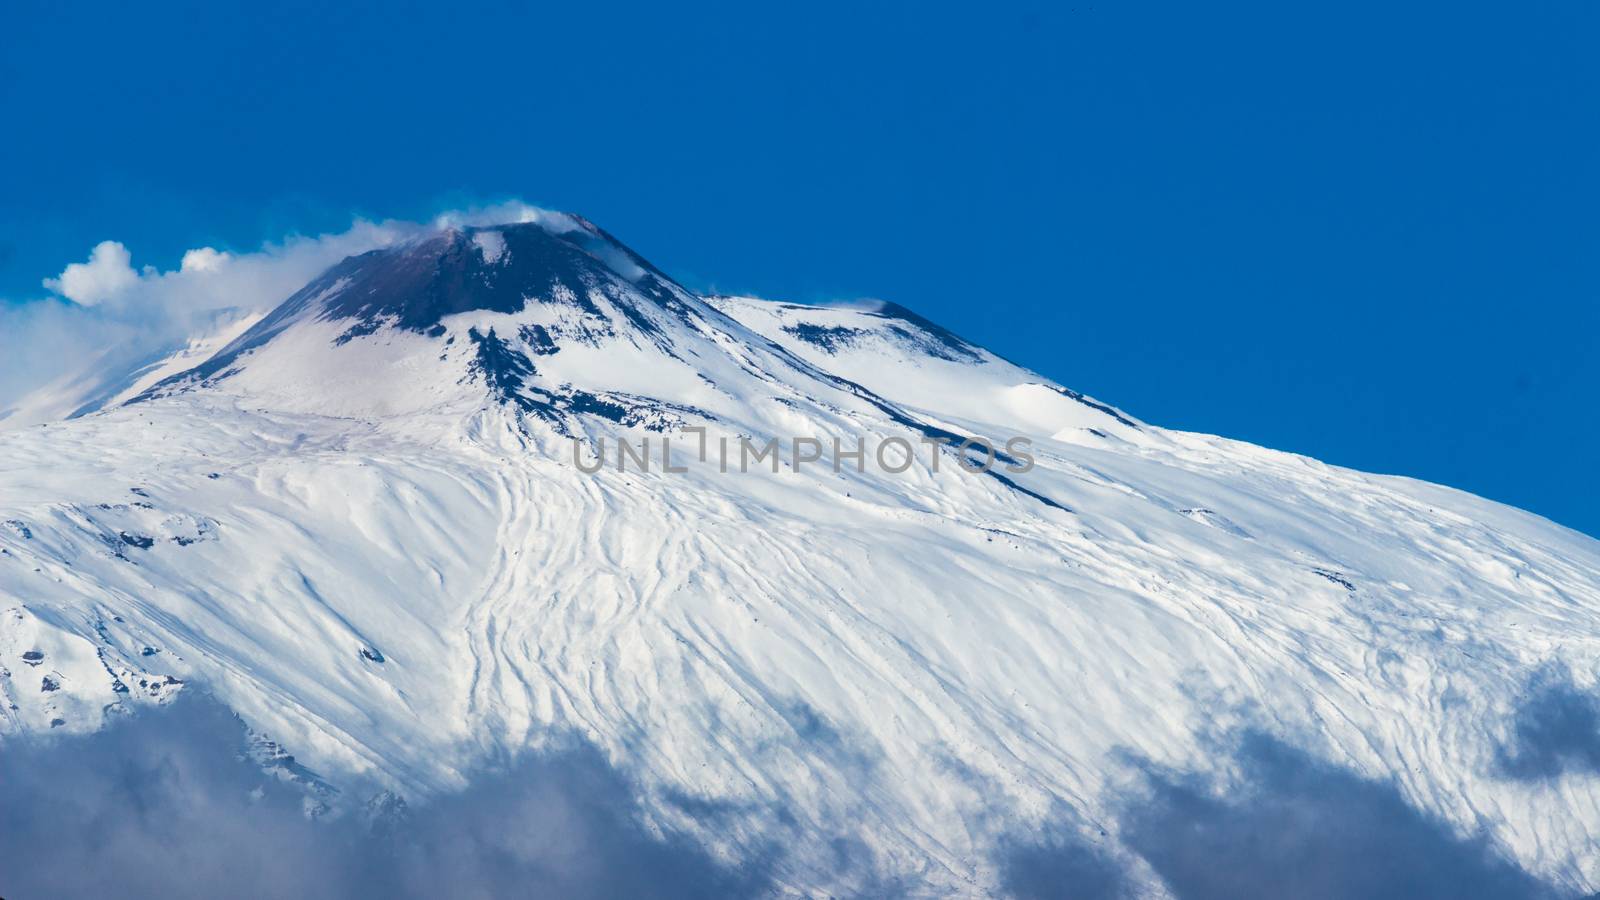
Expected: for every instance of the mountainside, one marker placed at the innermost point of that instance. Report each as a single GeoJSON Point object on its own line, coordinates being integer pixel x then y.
{"type": "Point", "coordinates": [366, 524]}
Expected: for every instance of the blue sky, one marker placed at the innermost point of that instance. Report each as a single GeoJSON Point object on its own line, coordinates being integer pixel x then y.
{"type": "Point", "coordinates": [1367, 233]}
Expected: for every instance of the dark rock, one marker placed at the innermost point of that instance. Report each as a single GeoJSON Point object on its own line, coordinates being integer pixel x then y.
{"type": "Point", "coordinates": [830, 338]}
{"type": "Point", "coordinates": [538, 339]}
{"type": "Point", "coordinates": [143, 542]}
{"type": "Point", "coordinates": [1337, 578]}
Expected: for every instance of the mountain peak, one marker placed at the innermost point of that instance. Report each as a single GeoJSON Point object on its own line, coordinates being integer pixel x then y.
{"type": "Point", "coordinates": [560, 260]}
{"type": "Point", "coordinates": [561, 323]}
{"type": "Point", "coordinates": [497, 268]}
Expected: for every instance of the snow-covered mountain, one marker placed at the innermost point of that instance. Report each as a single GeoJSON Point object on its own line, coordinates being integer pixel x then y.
{"type": "Point", "coordinates": [365, 523]}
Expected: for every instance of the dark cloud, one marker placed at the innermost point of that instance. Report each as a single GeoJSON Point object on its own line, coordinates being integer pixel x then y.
{"type": "Point", "coordinates": [1556, 729]}
{"type": "Point", "coordinates": [1290, 826]}
{"type": "Point", "coordinates": [164, 804]}
{"type": "Point", "coordinates": [1298, 827]}
{"type": "Point", "coordinates": [1064, 866]}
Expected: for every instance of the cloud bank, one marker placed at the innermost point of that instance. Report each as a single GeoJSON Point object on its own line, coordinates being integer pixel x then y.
{"type": "Point", "coordinates": [1298, 827]}
{"type": "Point", "coordinates": [164, 805]}
{"type": "Point", "coordinates": [1285, 825]}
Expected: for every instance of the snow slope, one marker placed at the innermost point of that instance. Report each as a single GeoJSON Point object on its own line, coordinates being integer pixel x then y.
{"type": "Point", "coordinates": [362, 525]}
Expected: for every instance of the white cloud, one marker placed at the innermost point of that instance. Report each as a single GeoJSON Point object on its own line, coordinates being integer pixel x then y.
{"type": "Point", "coordinates": [204, 259]}
{"type": "Point", "coordinates": [505, 214]}
{"type": "Point", "coordinates": [108, 272]}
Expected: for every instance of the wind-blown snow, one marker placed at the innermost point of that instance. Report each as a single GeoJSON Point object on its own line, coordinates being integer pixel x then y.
{"type": "Point", "coordinates": [375, 546]}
